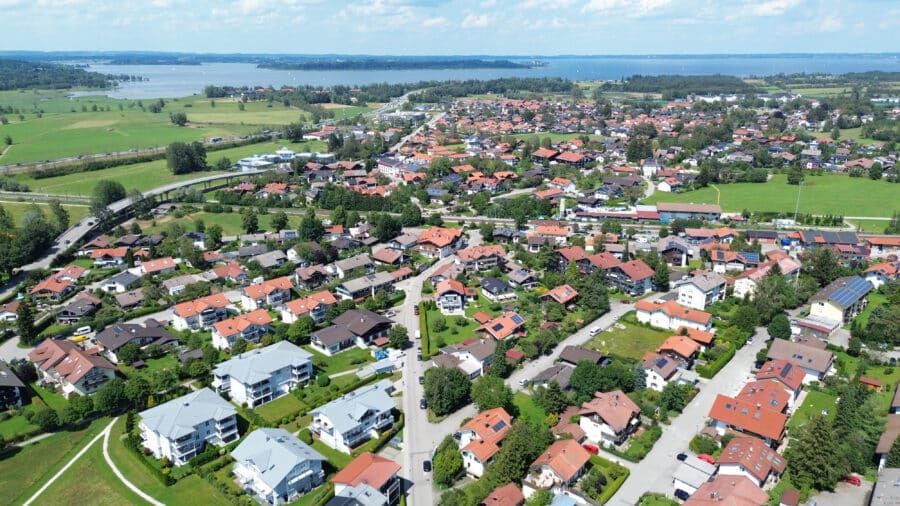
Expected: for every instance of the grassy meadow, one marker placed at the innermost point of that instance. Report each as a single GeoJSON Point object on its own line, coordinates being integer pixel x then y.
{"type": "Point", "coordinates": [52, 125]}
{"type": "Point", "coordinates": [827, 194]}
{"type": "Point", "coordinates": [17, 210]}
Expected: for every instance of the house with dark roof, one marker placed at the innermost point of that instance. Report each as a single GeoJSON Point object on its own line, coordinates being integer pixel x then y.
{"type": "Point", "coordinates": [841, 300]}
{"type": "Point", "coordinates": [11, 388]}
{"type": "Point", "coordinates": [659, 370]}
{"type": "Point", "coordinates": [355, 326]}
{"type": "Point", "coordinates": [574, 354]}
{"type": "Point", "coordinates": [114, 337]}
{"type": "Point", "coordinates": [64, 363]}
{"type": "Point", "coordinates": [81, 306]}
{"type": "Point", "coordinates": [560, 373]}
{"type": "Point", "coordinates": [497, 290]}
{"type": "Point", "coordinates": [815, 362]}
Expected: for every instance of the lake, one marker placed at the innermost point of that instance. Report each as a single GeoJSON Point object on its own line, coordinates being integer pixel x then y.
{"type": "Point", "coordinates": [184, 80]}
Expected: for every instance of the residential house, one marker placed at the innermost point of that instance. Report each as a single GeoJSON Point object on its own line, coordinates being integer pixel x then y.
{"type": "Point", "coordinates": [121, 282]}
{"type": "Point", "coordinates": [507, 495]}
{"type": "Point", "coordinates": [750, 457]}
{"type": "Point", "coordinates": [560, 465]}
{"type": "Point", "coordinates": [479, 439]}
{"type": "Point", "coordinates": [438, 242]}
{"type": "Point", "coordinates": [503, 326]}
{"type": "Point", "coordinates": [174, 286]}
{"type": "Point", "coordinates": [785, 373]}
{"type": "Point", "coordinates": [523, 278]}
{"type": "Point", "coordinates": [114, 337]}
{"type": "Point", "coordinates": [609, 418]}
{"type": "Point", "coordinates": [480, 258]}
{"type": "Point", "coordinates": [882, 273]}
{"type": "Point", "coordinates": [357, 265]}
{"type": "Point", "coordinates": [53, 288]}
{"type": "Point", "coordinates": [563, 294]}
{"type": "Point", "coordinates": [404, 242]}
{"type": "Point", "coordinates": [200, 314]}
{"type": "Point", "coordinates": [887, 440]}
{"type": "Point", "coordinates": [315, 306]}
{"type": "Point", "coordinates": [181, 428]}
{"type": "Point", "coordinates": [682, 349]}
{"type": "Point", "coordinates": [232, 271]}
{"type": "Point", "coordinates": [354, 327]}
{"type": "Point", "coordinates": [270, 260]}
{"type": "Point", "coordinates": [724, 489]}
{"type": "Point", "coordinates": [158, 266]}
{"type": "Point", "coordinates": [841, 300]}
{"type": "Point", "coordinates": [723, 261]}
{"type": "Point", "coordinates": [560, 373]}
{"type": "Point", "coordinates": [669, 211]}
{"type": "Point", "coordinates": [65, 364]}
{"type": "Point", "coordinates": [250, 327]}
{"type": "Point", "coordinates": [575, 354]}
{"type": "Point", "coordinates": [11, 388]}
{"type": "Point", "coordinates": [766, 393]}
{"type": "Point", "coordinates": [263, 374]}
{"type": "Point", "coordinates": [701, 290]}
{"type": "Point", "coordinates": [691, 474]}
{"type": "Point", "coordinates": [675, 250]}
{"type": "Point", "coordinates": [497, 290]}
{"type": "Point", "coordinates": [472, 357]}
{"type": "Point", "coordinates": [9, 311]}
{"type": "Point", "coordinates": [106, 257]}
{"type": "Point", "coordinates": [130, 299]}
{"type": "Point", "coordinates": [273, 293]}
{"type": "Point", "coordinates": [372, 472]}
{"type": "Point", "coordinates": [367, 286]}
{"type": "Point", "coordinates": [672, 315]}
{"type": "Point", "coordinates": [659, 371]}
{"type": "Point", "coordinates": [272, 464]}
{"type": "Point", "coordinates": [450, 296]}
{"type": "Point", "coordinates": [746, 282]}
{"type": "Point", "coordinates": [388, 256]}
{"type": "Point", "coordinates": [81, 306]}
{"type": "Point", "coordinates": [352, 419]}
{"type": "Point", "coordinates": [756, 420]}
{"type": "Point", "coordinates": [815, 362]}
{"type": "Point", "coordinates": [633, 277]}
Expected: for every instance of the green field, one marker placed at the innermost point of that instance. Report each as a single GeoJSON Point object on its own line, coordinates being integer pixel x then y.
{"type": "Point", "coordinates": [350, 359]}
{"type": "Point", "coordinates": [147, 175]}
{"type": "Point", "coordinates": [22, 472]}
{"type": "Point", "coordinates": [633, 341]}
{"type": "Point", "coordinates": [815, 403]}
{"type": "Point", "coordinates": [285, 405]}
{"type": "Point", "coordinates": [17, 210]}
{"type": "Point", "coordinates": [230, 222]}
{"type": "Point", "coordinates": [869, 226]}
{"type": "Point", "coordinates": [827, 194]}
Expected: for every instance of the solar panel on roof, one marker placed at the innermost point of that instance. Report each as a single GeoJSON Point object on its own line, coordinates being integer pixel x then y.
{"type": "Point", "coordinates": [497, 326]}
{"type": "Point", "coordinates": [750, 256]}
{"type": "Point", "coordinates": [499, 426]}
{"type": "Point", "coordinates": [517, 319]}
{"type": "Point", "coordinates": [661, 363]}
{"type": "Point", "coordinates": [786, 370]}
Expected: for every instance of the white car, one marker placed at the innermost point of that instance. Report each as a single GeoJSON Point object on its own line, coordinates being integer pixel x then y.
{"type": "Point", "coordinates": [390, 314]}
{"type": "Point", "coordinates": [594, 331]}
{"type": "Point", "coordinates": [524, 382]}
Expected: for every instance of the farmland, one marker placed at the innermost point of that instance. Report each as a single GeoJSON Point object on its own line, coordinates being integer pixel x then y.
{"type": "Point", "coordinates": [70, 127]}
{"type": "Point", "coordinates": [147, 175]}
{"type": "Point", "coordinates": [827, 194]}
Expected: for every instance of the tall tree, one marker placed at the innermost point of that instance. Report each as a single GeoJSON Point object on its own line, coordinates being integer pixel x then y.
{"type": "Point", "coordinates": [25, 322]}
{"type": "Point", "coordinates": [492, 392]}
{"type": "Point", "coordinates": [60, 216]}
{"type": "Point", "coordinates": [446, 390]}
{"type": "Point", "coordinates": [249, 221]}
{"type": "Point", "coordinates": [279, 221]}
{"type": "Point", "coordinates": [814, 456]}
{"type": "Point", "coordinates": [311, 228]}
{"type": "Point", "coordinates": [780, 327]}
{"type": "Point", "coordinates": [523, 443]}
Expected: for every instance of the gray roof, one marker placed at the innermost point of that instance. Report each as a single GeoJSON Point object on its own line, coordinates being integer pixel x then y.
{"type": "Point", "coordinates": [378, 279]}
{"type": "Point", "coordinates": [124, 278]}
{"type": "Point", "coordinates": [187, 279]}
{"type": "Point", "coordinates": [119, 334]}
{"type": "Point", "coordinates": [354, 262]}
{"type": "Point", "coordinates": [270, 259]}
{"type": "Point", "coordinates": [694, 471]}
{"type": "Point", "coordinates": [346, 411]}
{"type": "Point", "coordinates": [259, 364]}
{"type": "Point", "coordinates": [844, 291]}
{"type": "Point", "coordinates": [130, 298]}
{"type": "Point", "coordinates": [274, 453]}
{"type": "Point", "coordinates": [805, 356]}
{"type": "Point", "coordinates": [887, 488]}
{"type": "Point", "coordinates": [8, 378]}
{"type": "Point", "coordinates": [559, 373]}
{"type": "Point", "coordinates": [495, 285]}
{"type": "Point", "coordinates": [178, 417]}
{"type": "Point", "coordinates": [361, 321]}
{"type": "Point", "coordinates": [705, 281]}
{"type": "Point", "coordinates": [360, 495]}
{"type": "Point", "coordinates": [249, 251]}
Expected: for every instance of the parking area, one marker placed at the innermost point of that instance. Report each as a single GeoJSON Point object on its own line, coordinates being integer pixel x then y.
{"type": "Point", "coordinates": [844, 494]}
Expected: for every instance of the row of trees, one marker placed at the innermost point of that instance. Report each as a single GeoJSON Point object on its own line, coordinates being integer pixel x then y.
{"type": "Point", "coordinates": [23, 242]}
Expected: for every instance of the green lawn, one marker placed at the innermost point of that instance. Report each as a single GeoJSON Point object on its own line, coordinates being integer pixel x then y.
{"type": "Point", "coordinates": [869, 226]}
{"type": "Point", "coordinates": [230, 222]}
{"type": "Point", "coordinates": [350, 359]}
{"type": "Point", "coordinates": [168, 361]}
{"type": "Point", "coordinates": [50, 398]}
{"type": "Point", "coordinates": [657, 500]}
{"type": "Point", "coordinates": [454, 333]}
{"type": "Point", "coordinates": [14, 426]}
{"type": "Point", "coordinates": [633, 341]}
{"type": "Point", "coordinates": [147, 175]}
{"type": "Point", "coordinates": [338, 460]}
{"type": "Point", "coordinates": [528, 410]}
{"type": "Point", "coordinates": [856, 133]}
{"type": "Point", "coordinates": [284, 406]}
{"type": "Point", "coordinates": [814, 404]}
{"type": "Point", "coordinates": [187, 491]}
{"type": "Point", "coordinates": [22, 472]}
{"type": "Point", "coordinates": [17, 210]}
{"type": "Point", "coordinates": [60, 132]}
{"type": "Point", "coordinates": [875, 299]}
{"type": "Point", "coordinates": [827, 194]}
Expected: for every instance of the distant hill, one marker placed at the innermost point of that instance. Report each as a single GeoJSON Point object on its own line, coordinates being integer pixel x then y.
{"type": "Point", "coordinates": [18, 74]}
{"type": "Point", "coordinates": [389, 63]}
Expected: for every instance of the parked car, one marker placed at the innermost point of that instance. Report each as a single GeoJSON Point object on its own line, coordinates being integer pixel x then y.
{"type": "Point", "coordinates": [423, 404]}
{"type": "Point", "coordinates": [416, 309]}
{"type": "Point", "coordinates": [594, 331]}
{"type": "Point", "coordinates": [594, 449]}
{"type": "Point", "coordinates": [681, 494]}
{"type": "Point", "coordinates": [853, 480]}
{"type": "Point", "coordinates": [706, 458]}
{"type": "Point", "coordinates": [390, 314]}
{"type": "Point", "coordinates": [524, 382]}
{"type": "Point", "coordinates": [421, 380]}
{"type": "Point", "coordinates": [681, 456]}
{"type": "Point", "coordinates": [426, 466]}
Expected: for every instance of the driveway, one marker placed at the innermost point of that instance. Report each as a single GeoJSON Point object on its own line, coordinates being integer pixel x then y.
{"type": "Point", "coordinates": [10, 350]}
{"type": "Point", "coordinates": [654, 473]}
{"type": "Point", "coordinates": [844, 494]}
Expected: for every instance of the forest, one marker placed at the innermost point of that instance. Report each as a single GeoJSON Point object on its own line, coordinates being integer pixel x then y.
{"type": "Point", "coordinates": [18, 74]}
{"type": "Point", "coordinates": [677, 86]}
{"type": "Point", "coordinates": [389, 64]}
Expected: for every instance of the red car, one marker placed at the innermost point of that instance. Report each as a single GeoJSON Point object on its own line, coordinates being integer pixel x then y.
{"type": "Point", "coordinates": [706, 458]}
{"type": "Point", "coordinates": [591, 448]}
{"type": "Point", "coordinates": [853, 480]}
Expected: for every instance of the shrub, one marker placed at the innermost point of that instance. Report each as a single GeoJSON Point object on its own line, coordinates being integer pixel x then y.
{"type": "Point", "coordinates": [703, 444]}
{"type": "Point", "coordinates": [323, 380]}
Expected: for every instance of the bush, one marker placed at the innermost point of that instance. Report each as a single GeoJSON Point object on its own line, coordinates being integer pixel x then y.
{"type": "Point", "coordinates": [323, 380]}
{"type": "Point", "coordinates": [704, 444]}
{"type": "Point", "coordinates": [721, 359]}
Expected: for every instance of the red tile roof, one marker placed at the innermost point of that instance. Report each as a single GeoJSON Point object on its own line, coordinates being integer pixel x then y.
{"type": "Point", "coordinates": [674, 310]}
{"type": "Point", "coordinates": [267, 287]}
{"type": "Point", "coordinates": [683, 346]}
{"type": "Point", "coordinates": [563, 294]}
{"type": "Point", "coordinates": [615, 408]}
{"type": "Point", "coordinates": [368, 468]}
{"type": "Point", "coordinates": [306, 304]}
{"type": "Point", "coordinates": [195, 307]}
{"type": "Point", "coordinates": [787, 373]}
{"type": "Point", "coordinates": [565, 457]}
{"type": "Point", "coordinates": [758, 420]}
{"type": "Point", "coordinates": [754, 456]}
{"type": "Point", "coordinates": [507, 495]}
{"type": "Point", "coordinates": [440, 237]}
{"type": "Point", "coordinates": [240, 323]}
{"type": "Point", "coordinates": [636, 269]}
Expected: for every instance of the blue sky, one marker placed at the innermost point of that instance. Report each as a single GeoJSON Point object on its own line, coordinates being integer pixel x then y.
{"type": "Point", "coordinates": [544, 27]}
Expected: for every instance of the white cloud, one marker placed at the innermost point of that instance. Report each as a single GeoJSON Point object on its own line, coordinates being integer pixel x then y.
{"type": "Point", "coordinates": [631, 8]}
{"type": "Point", "coordinates": [831, 24]}
{"type": "Point", "coordinates": [770, 8]}
{"type": "Point", "coordinates": [479, 21]}
{"type": "Point", "coordinates": [435, 22]}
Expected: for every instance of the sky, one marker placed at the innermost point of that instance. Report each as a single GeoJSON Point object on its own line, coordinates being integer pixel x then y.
{"type": "Point", "coordinates": [439, 27]}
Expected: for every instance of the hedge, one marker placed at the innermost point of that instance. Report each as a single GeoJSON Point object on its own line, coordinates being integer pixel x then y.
{"type": "Point", "coordinates": [612, 486]}
{"type": "Point", "coordinates": [426, 338]}
{"type": "Point", "coordinates": [133, 443]}
{"type": "Point", "coordinates": [385, 437]}
{"type": "Point", "coordinates": [710, 369]}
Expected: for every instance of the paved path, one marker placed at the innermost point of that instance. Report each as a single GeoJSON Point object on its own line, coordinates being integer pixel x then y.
{"type": "Point", "coordinates": [10, 350]}
{"type": "Point", "coordinates": [69, 464]}
{"type": "Point", "coordinates": [654, 473]}
{"type": "Point", "coordinates": [118, 473]}
{"type": "Point", "coordinates": [35, 439]}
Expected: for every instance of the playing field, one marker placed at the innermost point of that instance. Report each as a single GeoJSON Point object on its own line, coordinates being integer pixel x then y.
{"type": "Point", "coordinates": [54, 126]}
{"type": "Point", "coordinates": [827, 194]}
{"type": "Point", "coordinates": [147, 175]}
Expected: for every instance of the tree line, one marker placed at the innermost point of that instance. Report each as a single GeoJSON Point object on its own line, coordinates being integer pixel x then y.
{"type": "Point", "coordinates": [18, 74]}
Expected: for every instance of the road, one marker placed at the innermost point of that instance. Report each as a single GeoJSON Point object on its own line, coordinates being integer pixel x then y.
{"type": "Point", "coordinates": [654, 473]}
{"type": "Point", "coordinates": [118, 473]}
{"type": "Point", "coordinates": [430, 123]}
